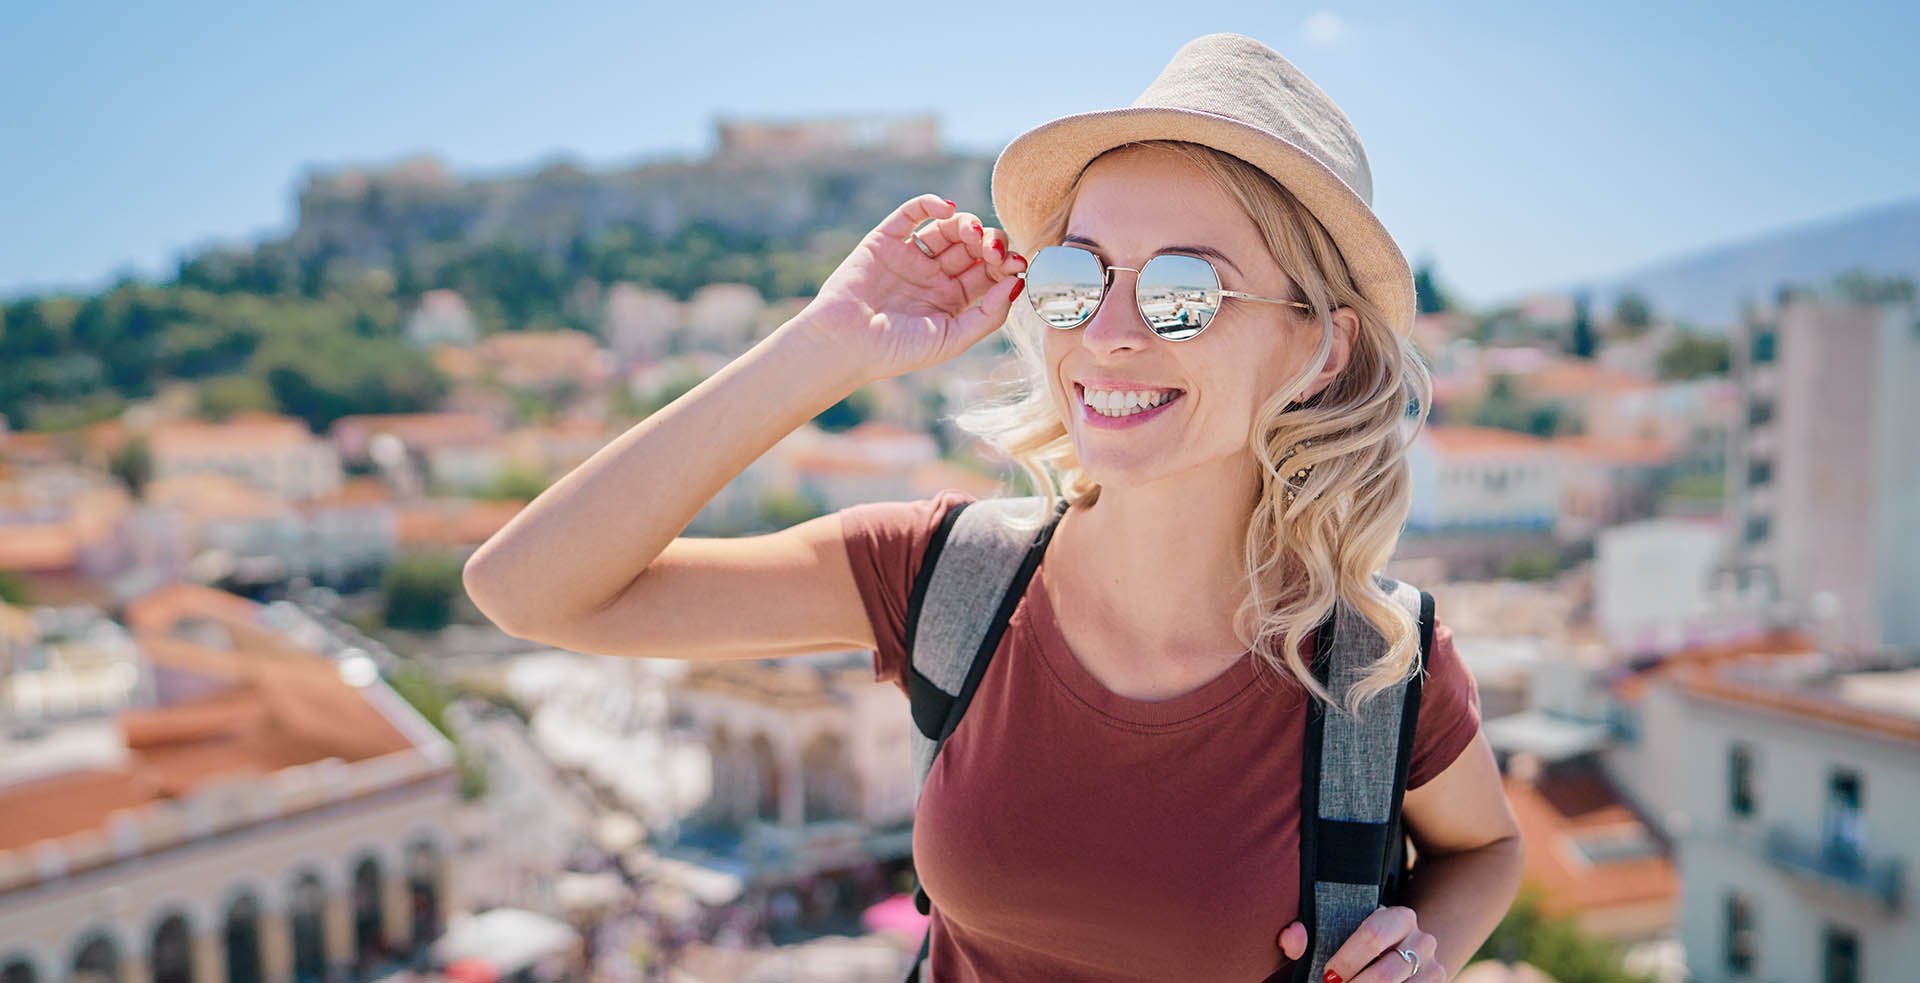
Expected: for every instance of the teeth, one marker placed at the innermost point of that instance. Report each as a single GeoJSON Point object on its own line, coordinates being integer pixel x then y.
{"type": "Point", "coordinates": [1110, 403]}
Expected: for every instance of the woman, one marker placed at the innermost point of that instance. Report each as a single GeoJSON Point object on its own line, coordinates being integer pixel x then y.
{"type": "Point", "coordinates": [1116, 804]}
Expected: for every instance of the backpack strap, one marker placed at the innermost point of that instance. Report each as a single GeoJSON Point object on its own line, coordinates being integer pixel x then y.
{"type": "Point", "coordinates": [973, 574]}
{"type": "Point", "coordinates": [1352, 843]}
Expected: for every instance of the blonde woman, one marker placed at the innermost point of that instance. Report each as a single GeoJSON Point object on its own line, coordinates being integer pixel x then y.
{"type": "Point", "coordinates": [1122, 800]}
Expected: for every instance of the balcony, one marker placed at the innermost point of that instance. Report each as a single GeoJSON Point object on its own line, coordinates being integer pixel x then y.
{"type": "Point", "coordinates": [1838, 865]}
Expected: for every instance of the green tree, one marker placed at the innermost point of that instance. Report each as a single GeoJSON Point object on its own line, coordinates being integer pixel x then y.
{"type": "Point", "coordinates": [224, 396]}
{"type": "Point", "coordinates": [1428, 296]}
{"type": "Point", "coordinates": [1582, 344]}
{"type": "Point", "coordinates": [133, 464]}
{"type": "Point", "coordinates": [782, 509]}
{"type": "Point", "coordinates": [1533, 565]}
{"type": "Point", "coordinates": [848, 413]}
{"type": "Point", "coordinates": [1692, 356]}
{"type": "Point", "coordinates": [518, 484]}
{"type": "Point", "coordinates": [1554, 945]}
{"type": "Point", "coordinates": [1631, 310]}
{"type": "Point", "coordinates": [13, 589]}
{"type": "Point", "coordinates": [419, 590]}
{"type": "Point", "coordinates": [1863, 287]}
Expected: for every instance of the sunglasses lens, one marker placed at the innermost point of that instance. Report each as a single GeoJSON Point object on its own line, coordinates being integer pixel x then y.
{"type": "Point", "coordinates": [1064, 285]}
{"type": "Point", "coordinates": [1178, 295]}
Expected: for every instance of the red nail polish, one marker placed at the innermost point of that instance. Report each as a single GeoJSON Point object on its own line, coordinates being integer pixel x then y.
{"type": "Point", "coordinates": [1017, 287]}
{"type": "Point", "coordinates": [1332, 977]}
{"type": "Point", "coordinates": [950, 203]}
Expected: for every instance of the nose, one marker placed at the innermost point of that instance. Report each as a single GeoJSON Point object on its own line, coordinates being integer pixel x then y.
{"type": "Point", "coordinates": [1117, 324]}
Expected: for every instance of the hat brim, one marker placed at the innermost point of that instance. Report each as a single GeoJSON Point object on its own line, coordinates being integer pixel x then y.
{"type": "Point", "coordinates": [1035, 170]}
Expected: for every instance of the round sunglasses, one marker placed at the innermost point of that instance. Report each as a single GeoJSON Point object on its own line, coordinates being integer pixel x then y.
{"type": "Point", "coordinates": [1176, 295]}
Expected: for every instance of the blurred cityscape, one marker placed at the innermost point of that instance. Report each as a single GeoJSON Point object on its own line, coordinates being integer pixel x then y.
{"type": "Point", "coordinates": [251, 730]}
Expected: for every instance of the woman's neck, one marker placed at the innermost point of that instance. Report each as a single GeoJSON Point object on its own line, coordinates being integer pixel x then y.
{"type": "Point", "coordinates": [1165, 560]}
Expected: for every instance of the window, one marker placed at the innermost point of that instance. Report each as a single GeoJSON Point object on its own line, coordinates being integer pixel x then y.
{"type": "Point", "coordinates": [1842, 833]}
{"type": "Point", "coordinates": [1763, 342]}
{"type": "Point", "coordinates": [1740, 780]}
{"type": "Point", "coordinates": [1759, 527]}
{"type": "Point", "coordinates": [1842, 956]}
{"type": "Point", "coordinates": [1740, 936]}
{"type": "Point", "coordinates": [1759, 472]}
{"type": "Point", "coordinates": [1760, 413]}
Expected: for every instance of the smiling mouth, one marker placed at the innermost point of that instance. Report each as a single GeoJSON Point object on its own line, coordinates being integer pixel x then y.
{"type": "Point", "coordinates": [1080, 396]}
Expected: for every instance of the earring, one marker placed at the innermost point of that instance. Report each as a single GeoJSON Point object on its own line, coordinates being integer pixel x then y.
{"type": "Point", "coordinates": [1291, 485]}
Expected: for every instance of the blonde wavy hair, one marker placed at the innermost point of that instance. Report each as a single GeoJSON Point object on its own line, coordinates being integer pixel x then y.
{"type": "Point", "coordinates": [1344, 520]}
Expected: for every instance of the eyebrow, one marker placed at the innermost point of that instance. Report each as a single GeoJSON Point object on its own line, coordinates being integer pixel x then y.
{"type": "Point", "coordinates": [1207, 251]}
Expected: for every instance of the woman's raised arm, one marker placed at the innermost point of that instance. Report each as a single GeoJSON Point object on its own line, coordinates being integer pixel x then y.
{"type": "Point", "coordinates": [572, 568]}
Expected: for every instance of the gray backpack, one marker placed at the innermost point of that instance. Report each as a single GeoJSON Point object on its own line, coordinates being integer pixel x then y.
{"type": "Point", "coordinates": [1352, 847]}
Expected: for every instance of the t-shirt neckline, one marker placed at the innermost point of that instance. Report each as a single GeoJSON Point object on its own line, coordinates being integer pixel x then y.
{"type": "Point", "coordinates": [1212, 695]}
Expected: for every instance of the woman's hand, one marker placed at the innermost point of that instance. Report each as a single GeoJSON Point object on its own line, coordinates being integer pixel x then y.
{"type": "Point", "coordinates": [892, 309]}
{"type": "Point", "coordinates": [1372, 953]}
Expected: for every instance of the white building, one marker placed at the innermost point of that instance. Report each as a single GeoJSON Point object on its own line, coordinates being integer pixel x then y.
{"type": "Point", "coordinates": [277, 816]}
{"type": "Point", "coordinates": [276, 454]}
{"type": "Point", "coordinates": [1824, 469]}
{"type": "Point", "coordinates": [1795, 782]}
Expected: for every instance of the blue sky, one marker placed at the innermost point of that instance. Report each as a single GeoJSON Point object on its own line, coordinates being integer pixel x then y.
{"type": "Point", "coordinates": [1518, 145]}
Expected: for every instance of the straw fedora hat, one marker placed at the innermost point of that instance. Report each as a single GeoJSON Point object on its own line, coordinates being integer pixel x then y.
{"type": "Point", "coordinates": [1232, 93]}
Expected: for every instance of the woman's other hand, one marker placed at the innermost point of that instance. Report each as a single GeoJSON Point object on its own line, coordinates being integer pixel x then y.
{"type": "Point", "coordinates": [892, 309]}
{"type": "Point", "coordinates": [1372, 953]}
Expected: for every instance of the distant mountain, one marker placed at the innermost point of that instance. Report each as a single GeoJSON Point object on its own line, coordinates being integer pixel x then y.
{"type": "Point", "coordinates": [1707, 287]}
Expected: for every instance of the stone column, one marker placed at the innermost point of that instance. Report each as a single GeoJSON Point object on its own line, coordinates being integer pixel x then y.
{"type": "Point", "coordinates": [396, 905]}
{"type": "Point", "coordinates": [210, 954]}
{"type": "Point", "coordinates": [276, 945]}
{"type": "Point", "coordinates": [338, 930]}
{"type": "Point", "coordinates": [793, 802]}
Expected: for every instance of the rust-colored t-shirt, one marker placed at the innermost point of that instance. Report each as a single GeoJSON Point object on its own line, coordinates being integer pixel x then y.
{"type": "Point", "coordinates": [1067, 832]}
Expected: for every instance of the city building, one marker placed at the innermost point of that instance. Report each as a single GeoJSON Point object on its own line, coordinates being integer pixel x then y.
{"type": "Point", "coordinates": [274, 453]}
{"type": "Point", "coordinates": [273, 813]}
{"type": "Point", "coordinates": [1823, 470]}
{"type": "Point", "coordinates": [1794, 780]}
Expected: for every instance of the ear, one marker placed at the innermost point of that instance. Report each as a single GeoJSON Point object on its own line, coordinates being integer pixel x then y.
{"type": "Point", "coordinates": [1346, 327]}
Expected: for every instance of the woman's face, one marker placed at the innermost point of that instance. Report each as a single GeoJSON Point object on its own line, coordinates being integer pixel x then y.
{"type": "Point", "coordinates": [1132, 204]}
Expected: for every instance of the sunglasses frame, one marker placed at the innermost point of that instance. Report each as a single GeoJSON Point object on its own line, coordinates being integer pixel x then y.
{"type": "Point", "coordinates": [1106, 290]}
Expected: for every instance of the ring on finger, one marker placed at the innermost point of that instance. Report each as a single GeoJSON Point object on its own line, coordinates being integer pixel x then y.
{"type": "Point", "coordinates": [1413, 957]}
{"type": "Point", "coordinates": [914, 237]}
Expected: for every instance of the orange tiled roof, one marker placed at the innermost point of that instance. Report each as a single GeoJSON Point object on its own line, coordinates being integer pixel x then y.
{"type": "Point", "coordinates": [359, 491]}
{"type": "Point", "coordinates": [830, 464]}
{"type": "Point", "coordinates": [1808, 706]}
{"type": "Point", "coordinates": [1482, 440]}
{"type": "Point", "coordinates": [159, 610]}
{"type": "Point", "coordinates": [1616, 450]}
{"type": "Point", "coordinates": [280, 714]}
{"type": "Point", "coordinates": [39, 547]}
{"type": "Point", "coordinates": [240, 433]}
{"type": "Point", "coordinates": [452, 522]}
{"type": "Point", "coordinates": [1561, 807]}
{"type": "Point", "coordinates": [1577, 377]}
{"type": "Point", "coordinates": [34, 448]}
{"type": "Point", "coordinates": [1773, 644]}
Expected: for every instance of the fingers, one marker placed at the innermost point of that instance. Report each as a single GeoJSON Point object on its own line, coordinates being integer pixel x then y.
{"type": "Point", "coordinates": [979, 320]}
{"type": "Point", "coordinates": [958, 242]}
{"type": "Point", "coordinates": [1293, 940]}
{"type": "Point", "coordinates": [975, 280]}
{"type": "Point", "coordinates": [912, 213]}
{"type": "Point", "coordinates": [1379, 935]}
{"type": "Point", "coordinates": [949, 227]}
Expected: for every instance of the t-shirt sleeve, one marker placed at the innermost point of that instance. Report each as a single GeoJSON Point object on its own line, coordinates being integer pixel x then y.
{"type": "Point", "coordinates": [885, 541]}
{"type": "Point", "coordinates": [1449, 711]}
